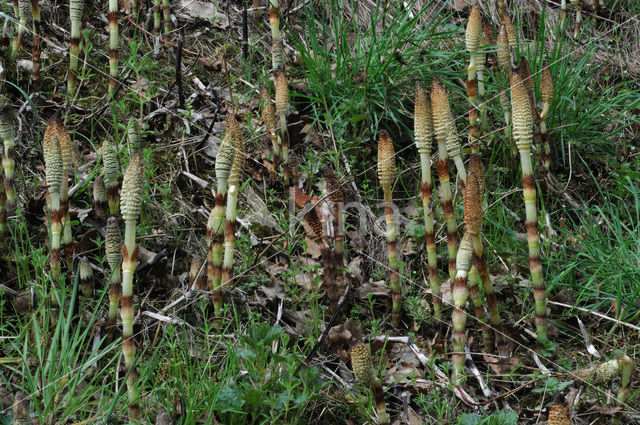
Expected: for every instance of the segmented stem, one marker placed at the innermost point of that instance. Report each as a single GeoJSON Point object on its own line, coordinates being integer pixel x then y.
{"type": "Point", "coordinates": [423, 133]}
{"type": "Point", "coordinates": [473, 37]}
{"type": "Point", "coordinates": [166, 14]}
{"type": "Point", "coordinates": [76, 8]}
{"type": "Point", "coordinates": [156, 17]}
{"type": "Point", "coordinates": [459, 295]}
{"type": "Point", "coordinates": [277, 44]}
{"type": "Point", "coordinates": [113, 46]}
{"type": "Point", "coordinates": [523, 133]}
{"type": "Point", "coordinates": [442, 166]}
{"type": "Point", "coordinates": [131, 205]}
{"type": "Point", "coordinates": [386, 174]}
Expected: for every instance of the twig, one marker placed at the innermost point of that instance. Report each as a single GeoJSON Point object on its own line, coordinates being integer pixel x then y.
{"type": "Point", "coordinates": [245, 33]}
{"type": "Point", "coordinates": [587, 341]}
{"type": "Point", "coordinates": [179, 71]}
{"type": "Point", "coordinates": [595, 313]}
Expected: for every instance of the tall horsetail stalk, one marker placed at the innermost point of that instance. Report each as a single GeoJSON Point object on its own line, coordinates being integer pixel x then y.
{"type": "Point", "coordinates": [8, 135]}
{"type": "Point", "coordinates": [215, 225]}
{"type": "Point", "coordinates": [336, 196]}
{"type": "Point", "coordinates": [131, 205]}
{"type": "Point", "coordinates": [76, 7]}
{"type": "Point", "coordinates": [441, 124]}
{"type": "Point", "coordinates": [269, 120]}
{"type": "Point", "coordinates": [53, 173]}
{"type": "Point", "coordinates": [546, 87]}
{"type": "Point", "coordinates": [523, 135]}
{"type": "Point", "coordinates": [36, 50]}
{"type": "Point", "coordinates": [113, 46]}
{"type": "Point", "coordinates": [479, 259]}
{"type": "Point", "coordinates": [277, 44]}
{"type": "Point", "coordinates": [113, 250]}
{"type": "Point", "coordinates": [459, 295]}
{"type": "Point", "coordinates": [111, 176]}
{"type": "Point", "coordinates": [473, 192]}
{"type": "Point", "coordinates": [235, 175]}
{"type": "Point", "coordinates": [366, 374]}
{"type": "Point", "coordinates": [472, 40]}
{"type": "Point", "coordinates": [282, 102]}
{"type": "Point", "coordinates": [24, 9]}
{"type": "Point", "coordinates": [423, 133]}
{"type": "Point", "coordinates": [66, 150]}
{"type": "Point", "coordinates": [99, 198]}
{"type": "Point", "coordinates": [166, 15]}
{"type": "Point", "coordinates": [386, 174]}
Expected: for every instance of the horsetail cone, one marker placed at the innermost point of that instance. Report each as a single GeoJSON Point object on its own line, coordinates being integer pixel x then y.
{"type": "Point", "coordinates": [131, 204]}
{"type": "Point", "coordinates": [53, 174]}
{"type": "Point", "coordinates": [269, 120]}
{"type": "Point", "coordinates": [464, 260]}
{"type": "Point", "coordinates": [99, 197]}
{"type": "Point", "coordinates": [365, 373]}
{"type": "Point", "coordinates": [362, 364]}
{"type": "Point", "coordinates": [510, 29]}
{"type": "Point", "coordinates": [523, 134]}
{"type": "Point", "coordinates": [111, 176]}
{"type": "Point", "coordinates": [546, 86]}
{"type": "Point", "coordinates": [86, 277]}
{"type": "Point", "coordinates": [7, 134]}
{"type": "Point", "coordinates": [423, 132]}
{"type": "Point", "coordinates": [386, 163]}
{"type": "Point", "coordinates": [386, 174]}
{"type": "Point", "coordinates": [112, 15]}
{"type": "Point", "coordinates": [282, 102]}
{"type": "Point", "coordinates": [503, 52]}
{"type": "Point", "coordinates": [20, 409]}
{"type": "Point", "coordinates": [134, 136]}
{"type": "Point", "coordinates": [113, 250]}
{"type": "Point", "coordinates": [76, 8]}
{"type": "Point", "coordinates": [473, 192]}
{"type": "Point", "coordinates": [473, 36]}
{"type": "Point", "coordinates": [559, 414]}
{"type": "Point", "coordinates": [440, 116]}
{"type": "Point", "coordinates": [444, 127]}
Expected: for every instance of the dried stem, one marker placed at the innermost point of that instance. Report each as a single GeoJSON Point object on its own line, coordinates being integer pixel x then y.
{"type": "Point", "coordinates": [36, 51]}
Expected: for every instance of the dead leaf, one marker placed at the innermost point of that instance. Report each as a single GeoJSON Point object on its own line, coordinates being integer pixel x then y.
{"type": "Point", "coordinates": [274, 291]}
{"type": "Point", "coordinates": [355, 268]}
{"type": "Point", "coordinates": [356, 241]}
{"type": "Point", "coordinates": [500, 366]}
{"type": "Point", "coordinates": [314, 249]}
{"type": "Point", "coordinates": [341, 338]}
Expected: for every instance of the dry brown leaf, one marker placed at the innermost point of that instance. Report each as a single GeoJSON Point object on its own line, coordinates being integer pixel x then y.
{"type": "Point", "coordinates": [499, 367]}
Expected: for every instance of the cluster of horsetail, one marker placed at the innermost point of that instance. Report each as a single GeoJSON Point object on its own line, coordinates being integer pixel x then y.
{"type": "Point", "coordinates": [121, 194]}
